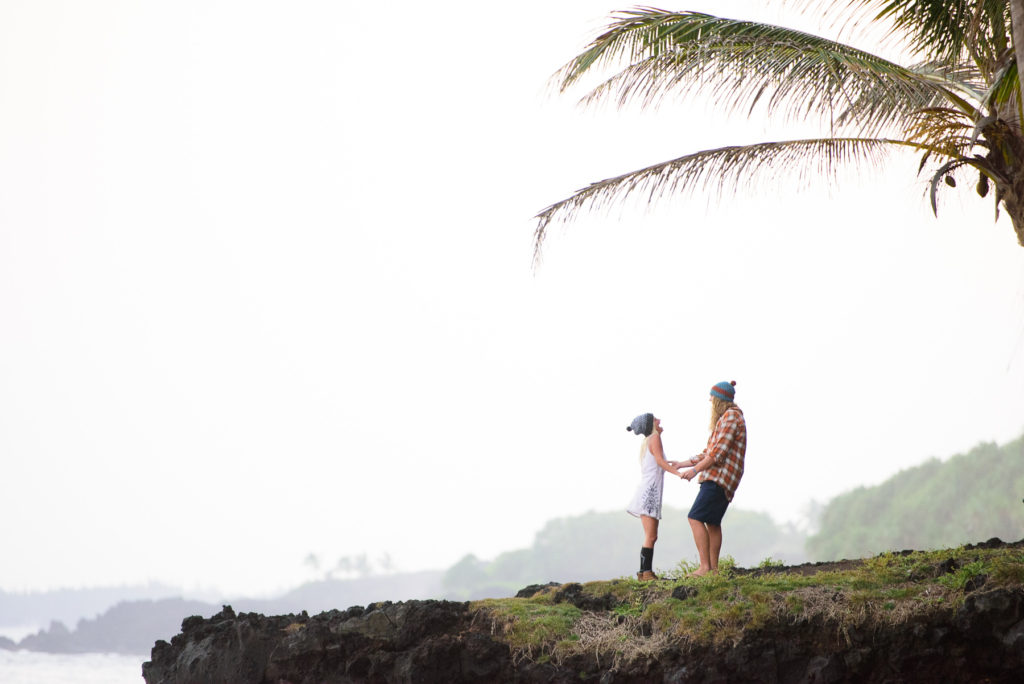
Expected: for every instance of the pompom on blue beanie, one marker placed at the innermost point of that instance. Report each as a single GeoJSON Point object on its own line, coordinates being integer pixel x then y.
{"type": "Point", "coordinates": [642, 425]}
{"type": "Point", "coordinates": [724, 390]}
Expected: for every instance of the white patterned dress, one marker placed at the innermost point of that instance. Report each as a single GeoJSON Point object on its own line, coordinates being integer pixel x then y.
{"type": "Point", "coordinates": [647, 500]}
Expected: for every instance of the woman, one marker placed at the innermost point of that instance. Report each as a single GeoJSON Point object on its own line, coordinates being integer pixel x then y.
{"type": "Point", "coordinates": [646, 503]}
{"type": "Point", "coordinates": [720, 466]}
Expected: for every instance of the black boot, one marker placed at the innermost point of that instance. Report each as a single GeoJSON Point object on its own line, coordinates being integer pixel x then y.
{"type": "Point", "coordinates": [646, 564]}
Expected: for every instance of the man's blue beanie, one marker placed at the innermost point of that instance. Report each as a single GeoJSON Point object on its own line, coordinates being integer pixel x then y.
{"type": "Point", "coordinates": [724, 390]}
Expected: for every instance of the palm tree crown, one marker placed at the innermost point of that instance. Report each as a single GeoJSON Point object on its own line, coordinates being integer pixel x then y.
{"type": "Point", "coordinates": [958, 105]}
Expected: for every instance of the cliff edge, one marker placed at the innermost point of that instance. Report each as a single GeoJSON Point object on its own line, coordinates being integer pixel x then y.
{"type": "Point", "coordinates": [952, 615]}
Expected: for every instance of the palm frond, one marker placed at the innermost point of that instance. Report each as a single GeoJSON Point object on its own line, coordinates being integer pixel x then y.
{"type": "Point", "coordinates": [721, 169]}
{"type": "Point", "coordinates": [942, 172]}
{"type": "Point", "coordinates": [741, 63]}
{"type": "Point", "coordinates": [944, 131]}
{"type": "Point", "coordinates": [952, 31]}
{"type": "Point", "coordinates": [1004, 93]}
{"type": "Point", "coordinates": [949, 31]}
{"type": "Point", "coordinates": [875, 111]}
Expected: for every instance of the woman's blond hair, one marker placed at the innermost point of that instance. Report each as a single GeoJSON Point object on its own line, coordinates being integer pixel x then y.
{"type": "Point", "coordinates": [718, 407]}
{"type": "Point", "coordinates": [643, 444]}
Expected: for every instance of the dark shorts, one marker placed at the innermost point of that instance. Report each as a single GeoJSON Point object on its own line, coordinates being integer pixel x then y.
{"type": "Point", "coordinates": [710, 504]}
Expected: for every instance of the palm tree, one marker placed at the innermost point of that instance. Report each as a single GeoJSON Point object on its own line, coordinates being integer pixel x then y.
{"type": "Point", "coordinates": [957, 106]}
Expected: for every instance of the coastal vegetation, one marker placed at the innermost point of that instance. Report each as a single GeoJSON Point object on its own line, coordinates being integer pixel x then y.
{"type": "Point", "coordinates": [969, 497]}
{"type": "Point", "coordinates": [621, 620]}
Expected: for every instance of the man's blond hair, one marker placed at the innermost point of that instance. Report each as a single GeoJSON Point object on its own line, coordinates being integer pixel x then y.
{"type": "Point", "coordinates": [718, 407]}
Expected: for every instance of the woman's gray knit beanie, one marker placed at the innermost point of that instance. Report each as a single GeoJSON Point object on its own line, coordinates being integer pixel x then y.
{"type": "Point", "coordinates": [642, 425]}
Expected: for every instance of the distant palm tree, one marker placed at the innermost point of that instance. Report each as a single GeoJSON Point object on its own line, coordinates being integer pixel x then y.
{"type": "Point", "coordinates": [958, 106]}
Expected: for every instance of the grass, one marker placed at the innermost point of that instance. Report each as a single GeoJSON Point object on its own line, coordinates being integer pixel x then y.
{"type": "Point", "coordinates": [533, 628]}
{"type": "Point", "coordinates": [719, 609]}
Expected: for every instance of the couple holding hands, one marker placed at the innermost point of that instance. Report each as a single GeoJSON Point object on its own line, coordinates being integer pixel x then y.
{"type": "Point", "coordinates": [719, 467]}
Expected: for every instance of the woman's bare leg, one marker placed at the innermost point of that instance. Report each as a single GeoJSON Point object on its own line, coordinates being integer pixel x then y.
{"type": "Point", "coordinates": [650, 530]}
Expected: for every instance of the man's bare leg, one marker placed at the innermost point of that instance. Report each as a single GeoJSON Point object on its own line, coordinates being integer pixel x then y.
{"type": "Point", "coordinates": [703, 541]}
{"type": "Point", "coordinates": [715, 545]}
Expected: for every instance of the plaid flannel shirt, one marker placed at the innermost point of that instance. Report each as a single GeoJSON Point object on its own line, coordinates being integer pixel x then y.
{"type": "Point", "coordinates": [728, 445]}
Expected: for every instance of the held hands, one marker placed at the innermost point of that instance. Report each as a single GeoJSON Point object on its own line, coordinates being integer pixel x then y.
{"type": "Point", "coordinates": [685, 474]}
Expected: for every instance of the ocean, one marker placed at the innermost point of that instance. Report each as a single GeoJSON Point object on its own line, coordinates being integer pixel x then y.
{"type": "Point", "coordinates": [28, 667]}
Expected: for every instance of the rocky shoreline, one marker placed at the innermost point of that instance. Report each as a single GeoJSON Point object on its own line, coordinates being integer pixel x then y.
{"type": "Point", "coordinates": [979, 640]}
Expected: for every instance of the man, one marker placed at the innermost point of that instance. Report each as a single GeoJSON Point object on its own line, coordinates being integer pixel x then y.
{"type": "Point", "coordinates": [720, 466]}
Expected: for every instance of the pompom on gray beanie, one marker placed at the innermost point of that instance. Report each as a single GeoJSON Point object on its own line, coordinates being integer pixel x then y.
{"type": "Point", "coordinates": [642, 425]}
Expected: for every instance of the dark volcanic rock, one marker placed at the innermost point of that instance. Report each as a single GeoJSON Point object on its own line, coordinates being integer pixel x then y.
{"type": "Point", "coordinates": [981, 640]}
{"type": "Point", "coordinates": [573, 593]}
{"type": "Point", "coordinates": [533, 589]}
{"type": "Point", "coordinates": [385, 642]}
{"type": "Point", "coordinates": [683, 592]}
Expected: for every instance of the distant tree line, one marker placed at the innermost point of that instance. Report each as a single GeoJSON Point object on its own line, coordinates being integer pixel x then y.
{"type": "Point", "coordinates": [605, 545]}
{"type": "Point", "coordinates": [968, 498]}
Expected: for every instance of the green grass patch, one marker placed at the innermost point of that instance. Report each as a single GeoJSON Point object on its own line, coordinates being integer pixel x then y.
{"type": "Point", "coordinates": [900, 593]}
{"type": "Point", "coordinates": [961, 577]}
{"type": "Point", "coordinates": [769, 563]}
{"type": "Point", "coordinates": [1008, 570]}
{"type": "Point", "coordinates": [719, 608]}
{"type": "Point", "coordinates": [529, 625]}
{"type": "Point", "coordinates": [621, 589]}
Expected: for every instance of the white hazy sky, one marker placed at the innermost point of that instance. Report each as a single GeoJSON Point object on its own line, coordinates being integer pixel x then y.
{"type": "Point", "coordinates": [266, 291]}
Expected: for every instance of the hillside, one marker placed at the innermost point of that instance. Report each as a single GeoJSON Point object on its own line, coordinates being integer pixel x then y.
{"type": "Point", "coordinates": [131, 627]}
{"type": "Point", "coordinates": [950, 615]}
{"type": "Point", "coordinates": [937, 504]}
{"type": "Point", "coordinates": [597, 545]}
